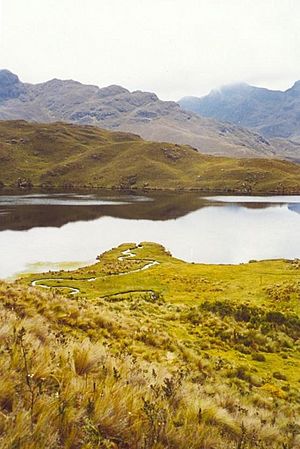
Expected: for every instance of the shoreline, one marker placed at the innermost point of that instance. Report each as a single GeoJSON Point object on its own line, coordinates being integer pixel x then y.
{"type": "Point", "coordinates": [24, 274]}
{"type": "Point", "coordinates": [145, 190]}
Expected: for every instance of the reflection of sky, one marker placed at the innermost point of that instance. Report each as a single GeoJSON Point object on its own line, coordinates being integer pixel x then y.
{"type": "Point", "coordinates": [229, 234]}
{"type": "Point", "coordinates": [256, 199]}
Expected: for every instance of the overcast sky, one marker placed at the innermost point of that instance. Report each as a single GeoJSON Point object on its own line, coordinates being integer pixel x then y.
{"type": "Point", "coordinates": [171, 47]}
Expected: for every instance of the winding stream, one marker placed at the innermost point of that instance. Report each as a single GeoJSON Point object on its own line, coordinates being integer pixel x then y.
{"type": "Point", "coordinates": [126, 254]}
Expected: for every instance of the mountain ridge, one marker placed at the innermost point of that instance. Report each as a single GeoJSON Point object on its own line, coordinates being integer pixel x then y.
{"type": "Point", "coordinates": [116, 108]}
{"type": "Point", "coordinates": [273, 113]}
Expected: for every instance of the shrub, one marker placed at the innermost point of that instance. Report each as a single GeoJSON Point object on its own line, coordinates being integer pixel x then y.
{"type": "Point", "coordinates": [279, 375]}
{"type": "Point", "coordinates": [258, 357]}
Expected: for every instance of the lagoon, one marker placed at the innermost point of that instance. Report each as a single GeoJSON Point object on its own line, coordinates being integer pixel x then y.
{"type": "Point", "coordinates": [39, 232]}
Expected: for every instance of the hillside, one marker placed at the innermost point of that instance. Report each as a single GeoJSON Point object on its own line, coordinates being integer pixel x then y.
{"type": "Point", "coordinates": [65, 155]}
{"type": "Point", "coordinates": [114, 107]}
{"type": "Point", "coordinates": [273, 114]}
{"type": "Point", "coordinates": [144, 351]}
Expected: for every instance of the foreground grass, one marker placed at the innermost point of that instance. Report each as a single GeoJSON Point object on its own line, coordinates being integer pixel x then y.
{"type": "Point", "coordinates": [60, 155]}
{"type": "Point", "coordinates": [177, 355]}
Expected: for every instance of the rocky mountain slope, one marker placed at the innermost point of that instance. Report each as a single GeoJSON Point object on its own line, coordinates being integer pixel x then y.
{"type": "Point", "coordinates": [69, 156]}
{"type": "Point", "coordinates": [116, 108]}
{"type": "Point", "coordinates": [273, 114]}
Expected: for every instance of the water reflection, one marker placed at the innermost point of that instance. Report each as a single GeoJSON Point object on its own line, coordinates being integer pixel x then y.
{"type": "Point", "coordinates": [278, 199]}
{"type": "Point", "coordinates": [192, 228]}
{"type": "Point", "coordinates": [21, 212]}
{"type": "Point", "coordinates": [27, 211]}
{"type": "Point", "coordinates": [294, 208]}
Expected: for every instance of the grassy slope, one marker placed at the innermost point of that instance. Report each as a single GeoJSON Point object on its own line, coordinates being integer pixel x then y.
{"type": "Point", "coordinates": [64, 155]}
{"type": "Point", "coordinates": [179, 355]}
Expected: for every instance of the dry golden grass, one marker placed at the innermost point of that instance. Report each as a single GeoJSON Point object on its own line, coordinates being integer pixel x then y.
{"type": "Point", "coordinates": [60, 387]}
{"type": "Point", "coordinates": [182, 367]}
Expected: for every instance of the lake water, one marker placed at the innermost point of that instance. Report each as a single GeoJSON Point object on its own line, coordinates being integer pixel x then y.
{"type": "Point", "coordinates": [47, 231]}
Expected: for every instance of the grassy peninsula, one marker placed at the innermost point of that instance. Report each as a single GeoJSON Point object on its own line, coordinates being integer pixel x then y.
{"type": "Point", "coordinates": [142, 350]}
{"type": "Point", "coordinates": [60, 155]}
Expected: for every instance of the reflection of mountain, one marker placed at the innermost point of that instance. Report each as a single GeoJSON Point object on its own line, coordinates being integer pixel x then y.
{"type": "Point", "coordinates": [258, 205]}
{"type": "Point", "coordinates": [163, 207]}
{"type": "Point", "coordinates": [294, 207]}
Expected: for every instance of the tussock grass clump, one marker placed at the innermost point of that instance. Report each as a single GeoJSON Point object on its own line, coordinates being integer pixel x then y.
{"type": "Point", "coordinates": [86, 357]}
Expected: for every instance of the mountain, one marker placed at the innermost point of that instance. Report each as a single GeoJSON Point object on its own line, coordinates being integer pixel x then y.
{"type": "Point", "coordinates": [10, 86]}
{"type": "Point", "coordinates": [116, 108]}
{"type": "Point", "coordinates": [271, 113]}
{"type": "Point", "coordinates": [66, 155]}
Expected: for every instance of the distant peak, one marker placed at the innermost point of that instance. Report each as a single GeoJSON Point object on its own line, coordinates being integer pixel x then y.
{"type": "Point", "coordinates": [112, 90]}
{"type": "Point", "coordinates": [117, 87]}
{"type": "Point", "coordinates": [294, 91]}
{"type": "Point", "coordinates": [57, 81]}
{"type": "Point", "coordinates": [149, 95]}
{"type": "Point", "coordinates": [10, 85]}
{"type": "Point", "coordinates": [296, 85]}
{"type": "Point", "coordinates": [8, 78]}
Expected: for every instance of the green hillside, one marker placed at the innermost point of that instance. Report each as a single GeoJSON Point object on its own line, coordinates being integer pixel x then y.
{"type": "Point", "coordinates": [145, 351]}
{"type": "Point", "coordinates": [63, 156]}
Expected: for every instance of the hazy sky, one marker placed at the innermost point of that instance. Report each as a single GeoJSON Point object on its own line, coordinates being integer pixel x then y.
{"type": "Point", "coordinates": [171, 47]}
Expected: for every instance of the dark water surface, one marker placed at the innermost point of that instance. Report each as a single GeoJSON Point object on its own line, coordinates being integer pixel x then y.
{"type": "Point", "coordinates": [48, 231]}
